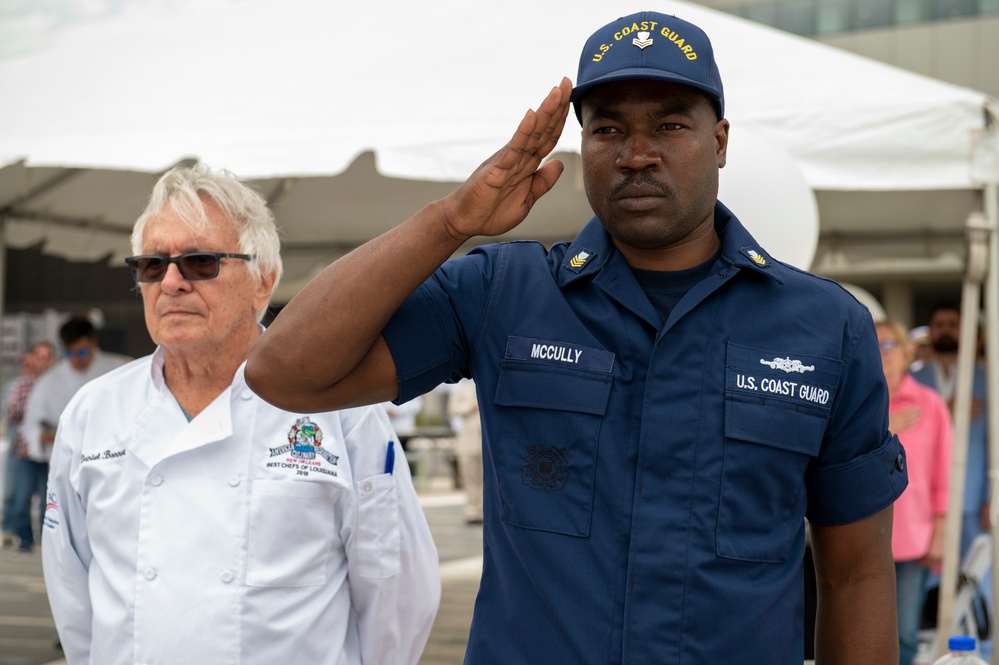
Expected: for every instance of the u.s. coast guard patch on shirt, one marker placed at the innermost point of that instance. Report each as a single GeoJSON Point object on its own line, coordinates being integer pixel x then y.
{"type": "Point", "coordinates": [784, 374]}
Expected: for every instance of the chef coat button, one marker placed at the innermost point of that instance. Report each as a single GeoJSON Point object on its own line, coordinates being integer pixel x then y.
{"type": "Point", "coordinates": [156, 480]}
{"type": "Point", "coordinates": [234, 480]}
{"type": "Point", "coordinates": [367, 486]}
{"type": "Point", "coordinates": [226, 576]}
{"type": "Point", "coordinates": [247, 394]}
{"type": "Point", "coordinates": [149, 573]}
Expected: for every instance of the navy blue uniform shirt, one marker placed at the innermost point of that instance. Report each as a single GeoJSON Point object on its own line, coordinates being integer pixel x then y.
{"type": "Point", "coordinates": [646, 485]}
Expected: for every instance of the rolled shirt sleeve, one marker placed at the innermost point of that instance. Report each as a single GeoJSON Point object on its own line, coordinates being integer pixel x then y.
{"type": "Point", "coordinates": [858, 450]}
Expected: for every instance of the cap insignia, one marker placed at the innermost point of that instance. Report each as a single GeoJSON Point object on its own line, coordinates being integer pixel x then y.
{"type": "Point", "coordinates": [642, 40]}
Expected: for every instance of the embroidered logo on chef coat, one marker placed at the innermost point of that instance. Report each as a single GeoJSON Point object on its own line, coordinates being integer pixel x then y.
{"type": "Point", "coordinates": [51, 516]}
{"type": "Point", "coordinates": [545, 468]}
{"type": "Point", "coordinates": [305, 442]}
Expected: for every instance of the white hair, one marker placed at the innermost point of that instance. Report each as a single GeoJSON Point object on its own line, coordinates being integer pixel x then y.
{"type": "Point", "coordinates": [184, 191]}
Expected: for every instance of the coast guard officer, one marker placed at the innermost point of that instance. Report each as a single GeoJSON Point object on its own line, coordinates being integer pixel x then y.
{"type": "Point", "coordinates": [663, 402]}
{"type": "Point", "coordinates": [188, 521]}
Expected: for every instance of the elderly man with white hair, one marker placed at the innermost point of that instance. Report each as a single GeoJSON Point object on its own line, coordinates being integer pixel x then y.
{"type": "Point", "coordinates": [188, 521]}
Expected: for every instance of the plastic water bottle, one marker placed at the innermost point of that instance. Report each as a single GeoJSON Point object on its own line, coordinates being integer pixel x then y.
{"type": "Point", "coordinates": [963, 651]}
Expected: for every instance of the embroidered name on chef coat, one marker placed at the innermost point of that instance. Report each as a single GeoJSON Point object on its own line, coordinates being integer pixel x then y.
{"type": "Point", "coordinates": [102, 456]}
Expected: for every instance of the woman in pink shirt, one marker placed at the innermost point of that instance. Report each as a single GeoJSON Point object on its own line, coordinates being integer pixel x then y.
{"type": "Point", "coordinates": [920, 419]}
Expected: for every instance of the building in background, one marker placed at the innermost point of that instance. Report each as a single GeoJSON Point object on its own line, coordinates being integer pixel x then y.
{"type": "Point", "coordinates": [956, 41]}
{"type": "Point", "coordinates": [41, 291]}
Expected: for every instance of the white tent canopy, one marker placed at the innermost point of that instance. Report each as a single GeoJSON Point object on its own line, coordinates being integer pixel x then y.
{"type": "Point", "coordinates": [303, 88]}
{"type": "Point", "coordinates": [351, 117]}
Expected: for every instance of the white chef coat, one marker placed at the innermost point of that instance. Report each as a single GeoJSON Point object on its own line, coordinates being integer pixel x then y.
{"type": "Point", "coordinates": [229, 539]}
{"type": "Point", "coordinates": [51, 394]}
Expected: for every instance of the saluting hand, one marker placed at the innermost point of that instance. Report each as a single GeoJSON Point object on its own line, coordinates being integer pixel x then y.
{"type": "Point", "coordinates": [499, 194]}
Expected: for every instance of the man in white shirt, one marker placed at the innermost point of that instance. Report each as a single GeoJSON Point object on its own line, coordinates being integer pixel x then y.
{"type": "Point", "coordinates": [189, 521]}
{"type": "Point", "coordinates": [82, 361]}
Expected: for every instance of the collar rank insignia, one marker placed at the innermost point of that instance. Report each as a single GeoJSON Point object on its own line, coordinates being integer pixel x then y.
{"type": "Point", "coordinates": [305, 441]}
{"type": "Point", "coordinates": [754, 256]}
{"type": "Point", "coordinates": [545, 468]}
{"type": "Point", "coordinates": [642, 40]}
{"type": "Point", "coordinates": [577, 262]}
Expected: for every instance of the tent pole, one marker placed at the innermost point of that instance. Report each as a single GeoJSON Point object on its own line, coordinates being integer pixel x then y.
{"type": "Point", "coordinates": [977, 233]}
{"type": "Point", "coordinates": [992, 375]}
{"type": "Point", "coordinates": [3, 273]}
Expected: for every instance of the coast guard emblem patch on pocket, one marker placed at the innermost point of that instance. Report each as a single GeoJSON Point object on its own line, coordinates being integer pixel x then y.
{"type": "Point", "coordinates": [545, 468]}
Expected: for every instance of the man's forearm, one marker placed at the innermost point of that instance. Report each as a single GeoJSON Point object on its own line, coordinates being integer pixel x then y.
{"type": "Point", "coordinates": [323, 350]}
{"type": "Point", "coordinates": [330, 326]}
{"type": "Point", "coordinates": [855, 575]}
{"type": "Point", "coordinates": [857, 625]}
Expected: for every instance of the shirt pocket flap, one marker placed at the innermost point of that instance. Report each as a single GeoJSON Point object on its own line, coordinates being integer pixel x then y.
{"type": "Point", "coordinates": [536, 387]}
{"type": "Point", "coordinates": [795, 429]}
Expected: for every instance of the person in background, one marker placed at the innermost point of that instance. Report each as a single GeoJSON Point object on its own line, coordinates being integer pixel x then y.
{"type": "Point", "coordinates": [23, 477]}
{"type": "Point", "coordinates": [188, 521]}
{"type": "Point", "coordinates": [920, 347]}
{"type": "Point", "coordinates": [940, 373]}
{"type": "Point", "coordinates": [922, 423]}
{"type": "Point", "coordinates": [463, 406]}
{"type": "Point", "coordinates": [663, 402]}
{"type": "Point", "coordinates": [403, 418]}
{"type": "Point", "coordinates": [82, 361]}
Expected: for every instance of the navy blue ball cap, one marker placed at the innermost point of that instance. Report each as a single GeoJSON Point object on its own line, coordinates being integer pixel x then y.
{"type": "Point", "coordinates": [649, 45]}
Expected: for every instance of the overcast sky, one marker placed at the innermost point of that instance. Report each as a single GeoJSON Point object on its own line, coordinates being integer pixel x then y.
{"type": "Point", "coordinates": [28, 25]}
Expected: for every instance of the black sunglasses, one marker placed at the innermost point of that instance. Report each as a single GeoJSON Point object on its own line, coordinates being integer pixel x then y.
{"type": "Point", "coordinates": [193, 266]}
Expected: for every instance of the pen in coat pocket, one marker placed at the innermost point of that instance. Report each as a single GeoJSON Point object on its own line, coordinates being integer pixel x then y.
{"type": "Point", "coordinates": [390, 457]}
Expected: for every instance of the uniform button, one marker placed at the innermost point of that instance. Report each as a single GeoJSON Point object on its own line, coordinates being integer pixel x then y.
{"type": "Point", "coordinates": [149, 573]}
{"type": "Point", "coordinates": [234, 480]}
{"type": "Point", "coordinates": [156, 480]}
{"type": "Point", "coordinates": [226, 576]}
{"type": "Point", "coordinates": [900, 462]}
{"type": "Point", "coordinates": [247, 394]}
{"type": "Point", "coordinates": [367, 486]}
